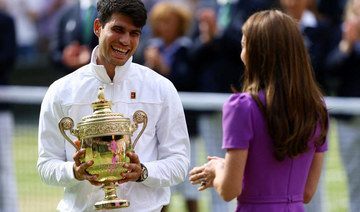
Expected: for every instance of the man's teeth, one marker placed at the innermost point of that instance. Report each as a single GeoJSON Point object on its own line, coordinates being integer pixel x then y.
{"type": "Point", "coordinates": [120, 50]}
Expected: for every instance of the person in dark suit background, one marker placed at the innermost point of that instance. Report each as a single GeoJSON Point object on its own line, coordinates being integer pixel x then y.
{"type": "Point", "coordinates": [7, 47]}
{"type": "Point", "coordinates": [315, 31]}
{"type": "Point", "coordinates": [74, 39]}
{"type": "Point", "coordinates": [8, 191]}
{"type": "Point", "coordinates": [343, 63]}
{"type": "Point", "coordinates": [216, 42]}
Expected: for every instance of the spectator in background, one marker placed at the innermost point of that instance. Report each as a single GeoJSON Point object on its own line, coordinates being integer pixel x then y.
{"type": "Point", "coordinates": [74, 39]}
{"type": "Point", "coordinates": [315, 33]}
{"type": "Point", "coordinates": [46, 22]}
{"type": "Point", "coordinates": [215, 53]}
{"type": "Point", "coordinates": [147, 31]}
{"type": "Point", "coordinates": [145, 34]}
{"type": "Point", "coordinates": [25, 14]}
{"type": "Point", "coordinates": [332, 10]}
{"type": "Point", "coordinates": [168, 54]}
{"type": "Point", "coordinates": [344, 63]}
{"type": "Point", "coordinates": [8, 189]}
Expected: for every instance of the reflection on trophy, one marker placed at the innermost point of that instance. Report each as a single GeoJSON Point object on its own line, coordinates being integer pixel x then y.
{"type": "Point", "coordinates": [106, 136]}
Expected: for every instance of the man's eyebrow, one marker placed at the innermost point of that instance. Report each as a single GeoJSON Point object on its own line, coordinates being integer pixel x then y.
{"type": "Point", "coordinates": [137, 31]}
{"type": "Point", "coordinates": [122, 28]}
{"type": "Point", "coordinates": [118, 27]}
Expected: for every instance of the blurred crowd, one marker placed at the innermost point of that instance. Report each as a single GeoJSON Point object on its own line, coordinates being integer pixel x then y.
{"type": "Point", "coordinates": [197, 45]}
{"type": "Point", "coordinates": [206, 33]}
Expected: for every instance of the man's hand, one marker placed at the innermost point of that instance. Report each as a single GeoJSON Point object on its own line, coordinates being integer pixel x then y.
{"type": "Point", "coordinates": [134, 169]}
{"type": "Point", "coordinates": [79, 169]}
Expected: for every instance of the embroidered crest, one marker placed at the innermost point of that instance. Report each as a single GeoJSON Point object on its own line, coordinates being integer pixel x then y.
{"type": "Point", "coordinates": [133, 95]}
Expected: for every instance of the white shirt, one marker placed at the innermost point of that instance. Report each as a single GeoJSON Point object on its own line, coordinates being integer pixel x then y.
{"type": "Point", "coordinates": [163, 148]}
{"type": "Point", "coordinates": [308, 19]}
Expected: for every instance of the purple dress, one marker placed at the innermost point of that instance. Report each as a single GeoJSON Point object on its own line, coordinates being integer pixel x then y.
{"type": "Point", "coordinates": [268, 185]}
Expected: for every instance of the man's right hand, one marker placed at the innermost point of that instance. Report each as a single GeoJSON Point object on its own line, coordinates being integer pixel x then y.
{"type": "Point", "coordinates": [79, 169]}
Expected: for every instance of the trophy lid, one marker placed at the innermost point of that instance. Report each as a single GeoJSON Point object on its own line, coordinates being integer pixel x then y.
{"type": "Point", "coordinates": [101, 105]}
{"type": "Point", "coordinates": [103, 121]}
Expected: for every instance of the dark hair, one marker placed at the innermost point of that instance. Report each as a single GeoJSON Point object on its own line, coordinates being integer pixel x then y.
{"type": "Point", "coordinates": [135, 9]}
{"type": "Point", "coordinates": [277, 63]}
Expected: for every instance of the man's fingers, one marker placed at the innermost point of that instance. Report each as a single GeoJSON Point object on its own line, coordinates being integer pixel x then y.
{"type": "Point", "coordinates": [95, 183]}
{"type": "Point", "coordinates": [133, 157]}
{"type": "Point", "coordinates": [77, 156]}
{"type": "Point", "coordinates": [82, 174]}
{"type": "Point", "coordinates": [133, 173]}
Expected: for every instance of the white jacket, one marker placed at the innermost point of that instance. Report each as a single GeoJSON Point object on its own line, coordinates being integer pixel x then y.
{"type": "Point", "coordinates": [163, 148]}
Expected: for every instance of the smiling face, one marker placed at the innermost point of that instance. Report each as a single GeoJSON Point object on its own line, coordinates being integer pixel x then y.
{"type": "Point", "coordinates": [118, 40]}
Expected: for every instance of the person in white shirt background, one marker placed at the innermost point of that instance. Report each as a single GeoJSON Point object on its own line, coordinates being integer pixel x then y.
{"type": "Point", "coordinates": [164, 146]}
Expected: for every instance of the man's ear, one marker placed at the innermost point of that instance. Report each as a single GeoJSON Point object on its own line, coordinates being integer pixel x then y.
{"type": "Point", "coordinates": [97, 27]}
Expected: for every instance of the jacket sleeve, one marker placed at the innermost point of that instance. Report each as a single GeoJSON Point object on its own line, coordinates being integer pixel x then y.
{"type": "Point", "coordinates": [52, 165]}
{"type": "Point", "coordinates": [173, 161]}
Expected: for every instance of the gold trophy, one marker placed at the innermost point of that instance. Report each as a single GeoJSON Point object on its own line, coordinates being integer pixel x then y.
{"type": "Point", "coordinates": [106, 136]}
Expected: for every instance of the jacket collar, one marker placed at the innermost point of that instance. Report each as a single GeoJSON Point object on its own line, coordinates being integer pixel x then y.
{"type": "Point", "coordinates": [100, 72]}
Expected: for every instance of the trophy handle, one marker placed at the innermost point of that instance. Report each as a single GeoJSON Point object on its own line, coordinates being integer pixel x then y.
{"type": "Point", "coordinates": [67, 123]}
{"type": "Point", "coordinates": [139, 117]}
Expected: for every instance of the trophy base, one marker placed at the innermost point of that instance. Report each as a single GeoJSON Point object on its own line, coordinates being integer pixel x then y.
{"type": "Point", "coordinates": [111, 204]}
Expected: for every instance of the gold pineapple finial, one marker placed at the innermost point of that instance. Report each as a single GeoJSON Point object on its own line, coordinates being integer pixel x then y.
{"type": "Point", "coordinates": [101, 94]}
{"type": "Point", "coordinates": [101, 105]}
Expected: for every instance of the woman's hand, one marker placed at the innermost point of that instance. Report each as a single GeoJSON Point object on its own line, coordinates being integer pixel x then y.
{"type": "Point", "coordinates": [205, 174]}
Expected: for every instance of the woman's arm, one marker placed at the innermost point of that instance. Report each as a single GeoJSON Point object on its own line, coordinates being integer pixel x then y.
{"type": "Point", "coordinates": [313, 177]}
{"type": "Point", "coordinates": [225, 175]}
{"type": "Point", "coordinates": [228, 179]}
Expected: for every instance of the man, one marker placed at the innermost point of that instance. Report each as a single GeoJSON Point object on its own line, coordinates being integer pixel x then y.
{"type": "Point", "coordinates": [163, 148]}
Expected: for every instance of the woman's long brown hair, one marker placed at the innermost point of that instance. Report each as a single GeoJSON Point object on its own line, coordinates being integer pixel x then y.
{"type": "Point", "coordinates": [278, 64]}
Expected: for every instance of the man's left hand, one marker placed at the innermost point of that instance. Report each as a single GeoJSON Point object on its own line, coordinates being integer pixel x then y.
{"type": "Point", "coordinates": [134, 169]}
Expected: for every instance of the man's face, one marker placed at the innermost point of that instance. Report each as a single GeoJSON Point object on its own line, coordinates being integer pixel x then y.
{"type": "Point", "coordinates": [118, 40]}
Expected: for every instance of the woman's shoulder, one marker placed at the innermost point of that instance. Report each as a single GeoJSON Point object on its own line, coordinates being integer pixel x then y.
{"type": "Point", "coordinates": [240, 100]}
{"type": "Point", "coordinates": [244, 102]}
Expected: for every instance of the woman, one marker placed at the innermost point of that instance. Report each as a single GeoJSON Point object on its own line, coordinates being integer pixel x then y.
{"type": "Point", "coordinates": [167, 51]}
{"type": "Point", "coordinates": [275, 130]}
